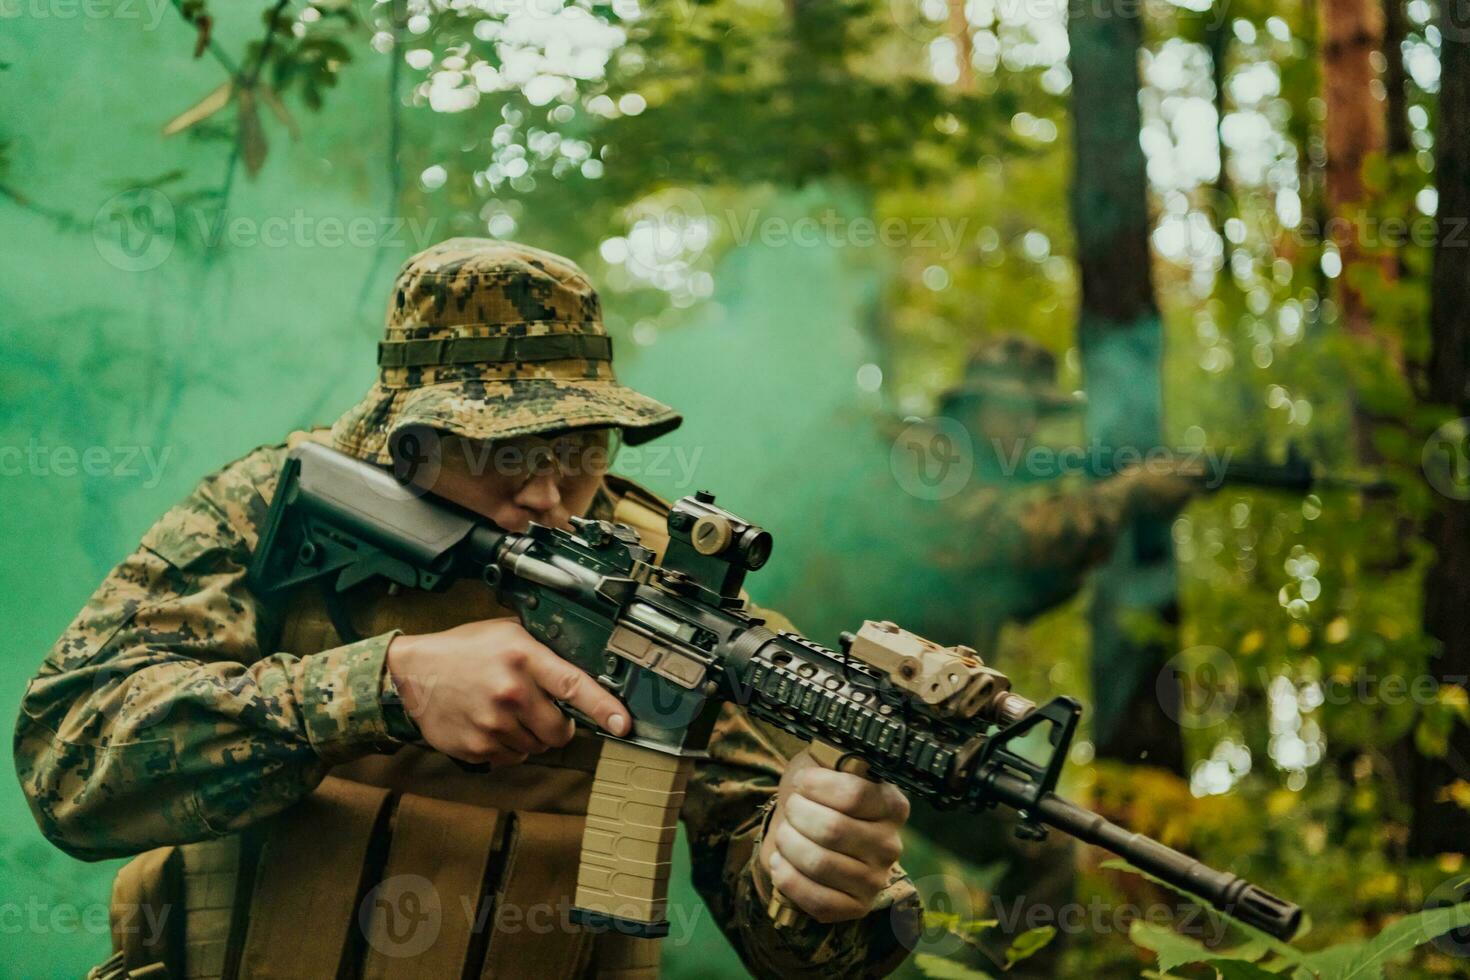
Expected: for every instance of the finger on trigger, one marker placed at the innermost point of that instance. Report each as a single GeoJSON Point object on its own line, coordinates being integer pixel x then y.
{"type": "Point", "coordinates": [564, 682]}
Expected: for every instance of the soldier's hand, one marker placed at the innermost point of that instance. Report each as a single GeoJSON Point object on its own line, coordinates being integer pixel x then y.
{"type": "Point", "coordinates": [1161, 489]}
{"type": "Point", "coordinates": [484, 692]}
{"type": "Point", "coordinates": [833, 840]}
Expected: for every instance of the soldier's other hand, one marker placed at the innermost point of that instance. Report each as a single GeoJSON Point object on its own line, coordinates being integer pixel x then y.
{"type": "Point", "coordinates": [1162, 489]}
{"type": "Point", "coordinates": [484, 692]}
{"type": "Point", "coordinates": [832, 842]}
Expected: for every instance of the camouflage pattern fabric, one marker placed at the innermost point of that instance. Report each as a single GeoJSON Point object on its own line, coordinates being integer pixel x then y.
{"type": "Point", "coordinates": [161, 716]}
{"type": "Point", "coordinates": [550, 374]}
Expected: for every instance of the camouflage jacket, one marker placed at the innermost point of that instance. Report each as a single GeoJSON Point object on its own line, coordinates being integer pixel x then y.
{"type": "Point", "coordinates": [954, 570]}
{"type": "Point", "coordinates": [165, 715]}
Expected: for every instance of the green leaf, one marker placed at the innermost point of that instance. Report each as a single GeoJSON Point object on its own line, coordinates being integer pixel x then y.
{"type": "Point", "coordinates": [1288, 952]}
{"type": "Point", "coordinates": [1239, 970]}
{"type": "Point", "coordinates": [1172, 949]}
{"type": "Point", "coordinates": [957, 924]}
{"type": "Point", "coordinates": [1028, 944]}
{"type": "Point", "coordinates": [1364, 960]}
{"type": "Point", "coordinates": [942, 969]}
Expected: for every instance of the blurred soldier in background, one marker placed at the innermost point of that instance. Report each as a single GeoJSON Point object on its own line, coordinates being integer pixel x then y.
{"type": "Point", "coordinates": [1031, 521]}
{"type": "Point", "coordinates": [1038, 516]}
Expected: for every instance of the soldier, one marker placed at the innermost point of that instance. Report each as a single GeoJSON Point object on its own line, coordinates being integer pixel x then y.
{"type": "Point", "coordinates": [298, 775]}
{"type": "Point", "coordinates": [1045, 521]}
{"type": "Point", "coordinates": [1026, 532]}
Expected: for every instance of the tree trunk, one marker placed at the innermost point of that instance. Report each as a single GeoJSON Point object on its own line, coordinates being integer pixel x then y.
{"type": "Point", "coordinates": [1439, 825]}
{"type": "Point", "coordinates": [1351, 31]}
{"type": "Point", "coordinates": [1121, 339]}
{"type": "Point", "coordinates": [1396, 78]}
{"type": "Point", "coordinates": [964, 41]}
{"type": "Point", "coordinates": [1355, 128]}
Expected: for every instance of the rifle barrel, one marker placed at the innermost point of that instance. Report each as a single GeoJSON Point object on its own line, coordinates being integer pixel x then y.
{"type": "Point", "coordinates": [1226, 892]}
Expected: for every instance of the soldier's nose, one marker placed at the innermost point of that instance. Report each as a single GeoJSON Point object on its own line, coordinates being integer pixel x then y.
{"type": "Point", "coordinates": [540, 494]}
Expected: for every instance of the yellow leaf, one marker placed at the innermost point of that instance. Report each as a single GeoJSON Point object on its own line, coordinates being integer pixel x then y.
{"type": "Point", "coordinates": [1298, 635]}
{"type": "Point", "coordinates": [201, 110]}
{"type": "Point", "coordinates": [1280, 802]}
{"type": "Point", "coordinates": [1338, 630]}
{"type": "Point", "coordinates": [1456, 699]}
{"type": "Point", "coordinates": [1457, 793]}
{"type": "Point", "coordinates": [1252, 642]}
{"type": "Point", "coordinates": [1384, 885]}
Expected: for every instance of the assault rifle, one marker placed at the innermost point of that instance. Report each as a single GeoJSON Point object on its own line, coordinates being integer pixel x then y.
{"type": "Point", "coordinates": [673, 639]}
{"type": "Point", "coordinates": [1297, 473]}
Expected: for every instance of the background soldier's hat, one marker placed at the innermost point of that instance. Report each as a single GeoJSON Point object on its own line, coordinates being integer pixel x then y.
{"type": "Point", "coordinates": [1013, 369]}
{"type": "Point", "coordinates": [489, 340]}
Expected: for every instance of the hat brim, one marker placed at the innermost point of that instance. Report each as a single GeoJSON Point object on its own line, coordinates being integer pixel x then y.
{"type": "Point", "coordinates": [1045, 400]}
{"type": "Point", "coordinates": [500, 410]}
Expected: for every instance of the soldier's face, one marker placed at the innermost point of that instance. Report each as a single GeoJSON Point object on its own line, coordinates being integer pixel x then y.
{"type": "Point", "coordinates": [1004, 427]}
{"type": "Point", "coordinates": [513, 482]}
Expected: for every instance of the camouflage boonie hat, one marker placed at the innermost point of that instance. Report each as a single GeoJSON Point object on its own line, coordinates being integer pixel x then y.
{"type": "Point", "coordinates": [489, 340]}
{"type": "Point", "coordinates": [1015, 369]}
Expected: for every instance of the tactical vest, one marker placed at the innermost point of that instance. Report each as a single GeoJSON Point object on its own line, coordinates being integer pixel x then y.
{"type": "Point", "coordinates": [397, 866]}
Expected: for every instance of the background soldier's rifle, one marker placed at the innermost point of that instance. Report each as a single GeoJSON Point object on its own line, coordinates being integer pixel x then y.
{"type": "Point", "coordinates": [1297, 473]}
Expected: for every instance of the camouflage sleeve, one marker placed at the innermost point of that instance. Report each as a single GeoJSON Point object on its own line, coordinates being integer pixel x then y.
{"type": "Point", "coordinates": [1066, 529]}
{"type": "Point", "coordinates": [729, 800]}
{"type": "Point", "coordinates": [156, 718]}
